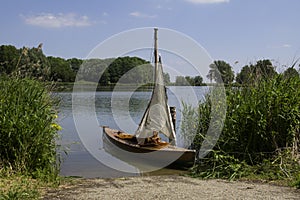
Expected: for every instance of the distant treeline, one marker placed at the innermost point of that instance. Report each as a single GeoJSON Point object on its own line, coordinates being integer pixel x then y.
{"type": "Point", "coordinates": [31, 62]}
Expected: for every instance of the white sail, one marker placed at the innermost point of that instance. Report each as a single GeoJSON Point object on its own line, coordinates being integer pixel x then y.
{"type": "Point", "coordinates": [157, 116]}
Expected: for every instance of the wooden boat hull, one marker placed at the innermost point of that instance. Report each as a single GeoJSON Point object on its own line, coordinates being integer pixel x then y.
{"type": "Point", "coordinates": [160, 156]}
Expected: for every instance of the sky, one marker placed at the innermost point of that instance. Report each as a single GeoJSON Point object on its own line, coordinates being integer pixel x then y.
{"type": "Point", "coordinates": [236, 31]}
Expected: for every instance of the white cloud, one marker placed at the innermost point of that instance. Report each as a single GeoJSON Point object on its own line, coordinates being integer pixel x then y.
{"type": "Point", "coordinates": [141, 15]}
{"type": "Point", "coordinates": [207, 1]}
{"type": "Point", "coordinates": [49, 20]}
{"type": "Point", "coordinates": [279, 46]}
{"type": "Point", "coordinates": [160, 7]}
{"type": "Point", "coordinates": [286, 45]}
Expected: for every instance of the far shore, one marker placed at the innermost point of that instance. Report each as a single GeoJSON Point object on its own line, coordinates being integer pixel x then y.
{"type": "Point", "coordinates": [91, 86]}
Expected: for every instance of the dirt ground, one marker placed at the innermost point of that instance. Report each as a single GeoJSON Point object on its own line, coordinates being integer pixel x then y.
{"type": "Point", "coordinates": [169, 187]}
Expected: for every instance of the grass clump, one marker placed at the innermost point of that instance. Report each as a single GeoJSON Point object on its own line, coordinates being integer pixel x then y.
{"type": "Point", "coordinates": [19, 187]}
{"type": "Point", "coordinates": [28, 130]}
{"type": "Point", "coordinates": [296, 183]}
{"type": "Point", "coordinates": [260, 136]}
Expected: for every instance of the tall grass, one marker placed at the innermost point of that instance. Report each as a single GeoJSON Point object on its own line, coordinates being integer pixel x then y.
{"type": "Point", "coordinates": [27, 128]}
{"type": "Point", "coordinates": [262, 119]}
{"type": "Point", "coordinates": [260, 133]}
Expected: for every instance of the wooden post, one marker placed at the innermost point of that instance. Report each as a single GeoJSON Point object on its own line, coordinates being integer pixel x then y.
{"type": "Point", "coordinates": [173, 116]}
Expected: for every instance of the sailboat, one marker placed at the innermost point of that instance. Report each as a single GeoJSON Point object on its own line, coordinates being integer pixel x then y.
{"type": "Point", "coordinates": [145, 144]}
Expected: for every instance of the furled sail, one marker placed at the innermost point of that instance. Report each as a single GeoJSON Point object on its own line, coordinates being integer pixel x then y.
{"type": "Point", "coordinates": [157, 116]}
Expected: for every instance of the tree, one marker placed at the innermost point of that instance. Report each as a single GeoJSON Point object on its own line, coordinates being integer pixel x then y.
{"type": "Point", "coordinates": [137, 70]}
{"type": "Point", "coordinates": [24, 62]}
{"type": "Point", "coordinates": [198, 80]}
{"type": "Point", "coordinates": [92, 70]}
{"type": "Point", "coordinates": [33, 63]}
{"type": "Point", "coordinates": [9, 56]}
{"type": "Point", "coordinates": [263, 69]}
{"type": "Point", "coordinates": [290, 72]}
{"type": "Point", "coordinates": [190, 80]}
{"type": "Point", "coordinates": [75, 64]}
{"type": "Point", "coordinates": [167, 78]}
{"type": "Point", "coordinates": [244, 75]}
{"type": "Point", "coordinates": [181, 81]}
{"type": "Point", "coordinates": [61, 70]}
{"type": "Point", "coordinates": [220, 71]}
{"type": "Point", "coordinates": [213, 73]}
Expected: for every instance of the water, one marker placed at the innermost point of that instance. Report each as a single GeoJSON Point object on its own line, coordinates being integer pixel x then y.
{"type": "Point", "coordinates": [120, 110]}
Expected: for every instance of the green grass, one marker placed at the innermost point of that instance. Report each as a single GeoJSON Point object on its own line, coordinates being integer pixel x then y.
{"type": "Point", "coordinates": [18, 187]}
{"type": "Point", "coordinates": [28, 130]}
{"type": "Point", "coordinates": [28, 127]}
{"type": "Point", "coordinates": [261, 133]}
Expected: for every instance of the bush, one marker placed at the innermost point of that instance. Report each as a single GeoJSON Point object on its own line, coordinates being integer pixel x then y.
{"type": "Point", "coordinates": [27, 127]}
{"type": "Point", "coordinates": [262, 119]}
{"type": "Point", "coordinates": [262, 124]}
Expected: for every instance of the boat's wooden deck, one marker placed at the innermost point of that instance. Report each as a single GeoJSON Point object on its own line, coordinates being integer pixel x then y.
{"type": "Point", "coordinates": [113, 133]}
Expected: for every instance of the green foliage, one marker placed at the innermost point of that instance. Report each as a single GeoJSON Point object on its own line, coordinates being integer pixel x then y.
{"type": "Point", "coordinates": [219, 165]}
{"type": "Point", "coordinates": [61, 70]}
{"type": "Point", "coordinates": [32, 63]}
{"type": "Point", "coordinates": [125, 70]}
{"type": "Point", "coordinates": [263, 69]}
{"type": "Point", "coordinates": [75, 64]}
{"type": "Point", "coordinates": [9, 56]}
{"type": "Point", "coordinates": [189, 127]}
{"type": "Point", "coordinates": [262, 117]}
{"type": "Point", "coordinates": [24, 62]}
{"type": "Point", "coordinates": [181, 81]}
{"type": "Point", "coordinates": [198, 81]}
{"type": "Point", "coordinates": [136, 69]}
{"type": "Point", "coordinates": [18, 188]}
{"type": "Point", "coordinates": [296, 183]}
{"type": "Point", "coordinates": [290, 72]}
{"type": "Point", "coordinates": [188, 81]}
{"type": "Point", "coordinates": [92, 69]}
{"type": "Point", "coordinates": [281, 166]}
{"type": "Point", "coordinates": [221, 72]}
{"type": "Point", "coordinates": [260, 134]}
{"type": "Point", "coordinates": [166, 78]}
{"type": "Point", "coordinates": [28, 128]}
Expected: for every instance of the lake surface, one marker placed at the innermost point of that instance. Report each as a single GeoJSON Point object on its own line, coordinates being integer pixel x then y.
{"type": "Point", "coordinates": [117, 109]}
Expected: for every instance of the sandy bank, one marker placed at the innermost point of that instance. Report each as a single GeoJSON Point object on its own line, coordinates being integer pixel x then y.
{"type": "Point", "coordinates": [169, 187]}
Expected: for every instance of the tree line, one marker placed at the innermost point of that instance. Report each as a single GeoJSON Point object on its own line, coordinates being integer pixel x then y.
{"type": "Point", "coordinates": [220, 71]}
{"type": "Point", "coordinates": [32, 62]}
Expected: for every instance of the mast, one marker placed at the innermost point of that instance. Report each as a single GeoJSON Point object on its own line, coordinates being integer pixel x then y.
{"type": "Point", "coordinates": [157, 116]}
{"type": "Point", "coordinates": [155, 48]}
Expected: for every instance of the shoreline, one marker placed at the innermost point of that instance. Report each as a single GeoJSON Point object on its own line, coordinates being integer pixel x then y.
{"type": "Point", "coordinates": [168, 187]}
{"type": "Point", "coordinates": [89, 86]}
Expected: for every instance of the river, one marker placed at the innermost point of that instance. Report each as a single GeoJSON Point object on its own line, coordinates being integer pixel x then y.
{"type": "Point", "coordinates": [111, 109]}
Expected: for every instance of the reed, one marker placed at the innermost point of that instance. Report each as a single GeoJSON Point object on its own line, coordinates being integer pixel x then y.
{"type": "Point", "coordinates": [261, 131]}
{"type": "Point", "coordinates": [27, 128]}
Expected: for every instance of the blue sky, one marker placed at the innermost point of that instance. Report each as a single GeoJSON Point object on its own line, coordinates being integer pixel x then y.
{"type": "Point", "coordinates": [230, 30]}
